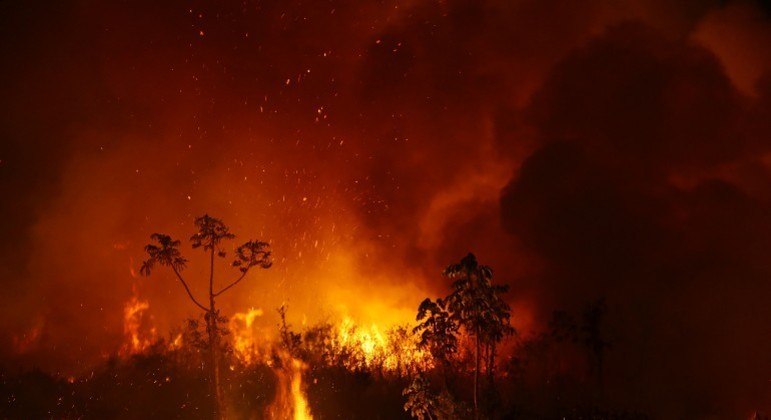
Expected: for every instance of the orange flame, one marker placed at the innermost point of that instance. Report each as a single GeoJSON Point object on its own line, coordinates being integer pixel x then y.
{"type": "Point", "coordinates": [395, 351]}
{"type": "Point", "coordinates": [177, 342]}
{"type": "Point", "coordinates": [26, 341]}
{"type": "Point", "coordinates": [301, 408]}
{"type": "Point", "coordinates": [290, 401]}
{"type": "Point", "coordinates": [134, 320]}
{"type": "Point", "coordinates": [246, 335]}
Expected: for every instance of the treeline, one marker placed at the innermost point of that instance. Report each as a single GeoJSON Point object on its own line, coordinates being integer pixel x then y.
{"type": "Point", "coordinates": [449, 364]}
{"type": "Point", "coordinates": [555, 374]}
{"type": "Point", "coordinates": [461, 359]}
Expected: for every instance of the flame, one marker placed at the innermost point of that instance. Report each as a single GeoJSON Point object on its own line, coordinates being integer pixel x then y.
{"type": "Point", "coordinates": [350, 345]}
{"type": "Point", "coordinates": [132, 271]}
{"type": "Point", "coordinates": [301, 408]}
{"type": "Point", "coordinates": [290, 401]}
{"type": "Point", "coordinates": [246, 335]}
{"type": "Point", "coordinates": [177, 342]}
{"type": "Point", "coordinates": [368, 347]}
{"type": "Point", "coordinates": [391, 348]}
{"type": "Point", "coordinates": [369, 341]}
{"type": "Point", "coordinates": [356, 346]}
{"type": "Point", "coordinates": [29, 339]}
{"type": "Point", "coordinates": [134, 320]}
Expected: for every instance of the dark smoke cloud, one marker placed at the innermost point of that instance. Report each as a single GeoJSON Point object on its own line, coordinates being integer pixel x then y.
{"type": "Point", "coordinates": [684, 265]}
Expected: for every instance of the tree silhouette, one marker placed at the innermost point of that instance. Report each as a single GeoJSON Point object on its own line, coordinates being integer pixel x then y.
{"type": "Point", "coordinates": [290, 340]}
{"type": "Point", "coordinates": [497, 323]}
{"type": "Point", "coordinates": [591, 331]}
{"type": "Point", "coordinates": [476, 305]}
{"type": "Point", "coordinates": [211, 232]}
{"type": "Point", "coordinates": [437, 331]}
{"type": "Point", "coordinates": [421, 403]}
{"type": "Point", "coordinates": [562, 327]}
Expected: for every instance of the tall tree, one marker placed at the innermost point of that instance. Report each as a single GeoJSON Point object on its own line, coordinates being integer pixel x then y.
{"type": "Point", "coordinates": [497, 319]}
{"type": "Point", "coordinates": [476, 304]}
{"type": "Point", "coordinates": [209, 236]}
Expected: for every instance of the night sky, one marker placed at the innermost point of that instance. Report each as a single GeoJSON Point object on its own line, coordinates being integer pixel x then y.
{"type": "Point", "coordinates": [582, 149]}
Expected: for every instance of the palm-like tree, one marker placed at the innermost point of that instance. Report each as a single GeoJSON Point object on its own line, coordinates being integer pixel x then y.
{"type": "Point", "coordinates": [475, 303]}
{"type": "Point", "coordinates": [210, 235]}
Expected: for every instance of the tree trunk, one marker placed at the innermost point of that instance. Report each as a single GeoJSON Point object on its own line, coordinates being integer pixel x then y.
{"type": "Point", "coordinates": [476, 378]}
{"type": "Point", "coordinates": [214, 360]}
{"type": "Point", "coordinates": [599, 370]}
{"type": "Point", "coordinates": [488, 366]}
{"type": "Point", "coordinates": [492, 364]}
{"type": "Point", "coordinates": [492, 392]}
{"type": "Point", "coordinates": [214, 368]}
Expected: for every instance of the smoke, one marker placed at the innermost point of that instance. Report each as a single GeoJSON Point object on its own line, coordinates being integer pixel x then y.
{"type": "Point", "coordinates": [582, 150]}
{"type": "Point", "coordinates": [638, 194]}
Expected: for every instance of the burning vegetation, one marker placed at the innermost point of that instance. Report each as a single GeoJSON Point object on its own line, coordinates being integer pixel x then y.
{"type": "Point", "coordinates": [454, 361]}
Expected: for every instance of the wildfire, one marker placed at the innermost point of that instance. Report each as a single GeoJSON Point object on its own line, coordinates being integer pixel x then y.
{"type": "Point", "coordinates": [355, 346]}
{"type": "Point", "coordinates": [394, 350]}
{"type": "Point", "coordinates": [24, 342]}
{"type": "Point", "coordinates": [369, 340]}
{"type": "Point", "coordinates": [301, 408]}
{"type": "Point", "coordinates": [290, 401]}
{"type": "Point", "coordinates": [390, 348]}
{"type": "Point", "coordinates": [134, 319]}
{"type": "Point", "coordinates": [177, 342]}
{"type": "Point", "coordinates": [245, 335]}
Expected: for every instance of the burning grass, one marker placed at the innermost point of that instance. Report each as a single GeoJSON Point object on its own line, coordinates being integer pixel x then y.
{"type": "Point", "coordinates": [294, 359]}
{"type": "Point", "coordinates": [434, 367]}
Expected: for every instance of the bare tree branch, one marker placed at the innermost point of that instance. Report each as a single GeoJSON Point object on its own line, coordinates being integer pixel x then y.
{"type": "Point", "coordinates": [243, 274]}
{"type": "Point", "coordinates": [211, 276]}
{"type": "Point", "coordinates": [187, 289]}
